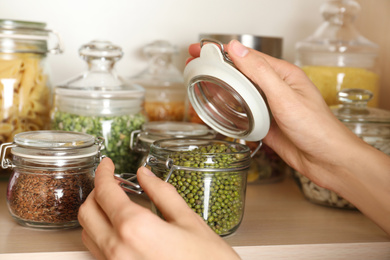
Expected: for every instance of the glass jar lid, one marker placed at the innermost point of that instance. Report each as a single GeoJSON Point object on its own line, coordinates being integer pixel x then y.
{"type": "Point", "coordinates": [337, 42]}
{"type": "Point", "coordinates": [364, 121]}
{"type": "Point", "coordinates": [55, 144]}
{"type": "Point", "coordinates": [354, 108]}
{"type": "Point", "coordinates": [28, 37]}
{"type": "Point", "coordinates": [101, 79]}
{"type": "Point", "coordinates": [100, 90]}
{"type": "Point", "coordinates": [53, 139]}
{"type": "Point", "coordinates": [161, 72]}
{"type": "Point", "coordinates": [156, 130]}
{"type": "Point", "coordinates": [223, 97]}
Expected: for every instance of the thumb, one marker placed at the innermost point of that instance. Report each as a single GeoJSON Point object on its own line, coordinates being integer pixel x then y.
{"type": "Point", "coordinates": [165, 197]}
{"type": "Point", "coordinates": [266, 71]}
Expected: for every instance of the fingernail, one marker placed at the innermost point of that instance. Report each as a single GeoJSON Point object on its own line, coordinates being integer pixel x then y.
{"type": "Point", "coordinates": [239, 49]}
{"type": "Point", "coordinates": [147, 172]}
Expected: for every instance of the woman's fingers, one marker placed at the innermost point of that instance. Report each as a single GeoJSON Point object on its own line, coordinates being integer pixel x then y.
{"type": "Point", "coordinates": [258, 67]}
{"type": "Point", "coordinates": [107, 188]}
{"type": "Point", "coordinates": [194, 50]}
{"type": "Point", "coordinates": [95, 222]}
{"type": "Point", "coordinates": [166, 198]}
{"type": "Point", "coordinates": [92, 246]}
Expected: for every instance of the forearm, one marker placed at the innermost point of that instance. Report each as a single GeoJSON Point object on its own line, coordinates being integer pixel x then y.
{"type": "Point", "coordinates": [364, 180]}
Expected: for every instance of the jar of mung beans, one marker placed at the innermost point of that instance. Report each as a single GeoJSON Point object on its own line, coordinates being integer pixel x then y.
{"type": "Point", "coordinates": [211, 174]}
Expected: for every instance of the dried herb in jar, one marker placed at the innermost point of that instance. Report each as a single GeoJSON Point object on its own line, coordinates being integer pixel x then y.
{"type": "Point", "coordinates": [44, 196]}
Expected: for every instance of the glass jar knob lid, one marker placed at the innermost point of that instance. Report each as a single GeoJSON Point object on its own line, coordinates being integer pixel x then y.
{"type": "Point", "coordinates": [223, 97]}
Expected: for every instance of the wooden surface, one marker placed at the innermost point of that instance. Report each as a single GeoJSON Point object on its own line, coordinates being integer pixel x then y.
{"type": "Point", "coordinates": [278, 222]}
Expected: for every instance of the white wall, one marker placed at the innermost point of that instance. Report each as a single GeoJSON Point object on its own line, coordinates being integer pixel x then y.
{"type": "Point", "coordinates": [134, 23]}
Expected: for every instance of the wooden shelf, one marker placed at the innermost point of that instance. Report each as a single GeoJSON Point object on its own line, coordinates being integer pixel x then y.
{"type": "Point", "coordinates": [278, 222]}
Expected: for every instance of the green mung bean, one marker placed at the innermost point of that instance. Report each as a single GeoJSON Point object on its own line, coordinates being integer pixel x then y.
{"type": "Point", "coordinates": [218, 196]}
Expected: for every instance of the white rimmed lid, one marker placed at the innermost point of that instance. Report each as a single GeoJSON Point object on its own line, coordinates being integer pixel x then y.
{"type": "Point", "coordinates": [224, 98]}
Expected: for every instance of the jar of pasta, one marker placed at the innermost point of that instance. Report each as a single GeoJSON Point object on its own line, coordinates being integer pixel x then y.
{"type": "Point", "coordinates": [165, 93]}
{"type": "Point", "coordinates": [337, 56]}
{"type": "Point", "coordinates": [25, 90]}
{"type": "Point", "coordinates": [101, 103]}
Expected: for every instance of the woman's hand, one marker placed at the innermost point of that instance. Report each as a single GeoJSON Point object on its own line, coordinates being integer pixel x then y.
{"type": "Point", "coordinates": [304, 131]}
{"type": "Point", "coordinates": [114, 227]}
{"type": "Point", "coordinates": [308, 137]}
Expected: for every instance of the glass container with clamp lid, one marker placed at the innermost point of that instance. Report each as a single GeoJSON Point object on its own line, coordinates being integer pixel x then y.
{"type": "Point", "coordinates": [25, 83]}
{"type": "Point", "coordinates": [211, 174]}
{"type": "Point", "coordinates": [101, 103]}
{"type": "Point", "coordinates": [52, 175]}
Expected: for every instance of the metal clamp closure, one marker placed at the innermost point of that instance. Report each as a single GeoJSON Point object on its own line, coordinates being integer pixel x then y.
{"type": "Point", "coordinates": [257, 149]}
{"type": "Point", "coordinates": [6, 163]}
{"type": "Point", "coordinates": [57, 49]}
{"type": "Point", "coordinates": [99, 141]}
{"type": "Point", "coordinates": [133, 142]}
{"type": "Point", "coordinates": [224, 53]}
{"type": "Point", "coordinates": [130, 186]}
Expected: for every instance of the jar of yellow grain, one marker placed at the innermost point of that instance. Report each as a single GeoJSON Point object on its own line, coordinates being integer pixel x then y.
{"type": "Point", "coordinates": [337, 56]}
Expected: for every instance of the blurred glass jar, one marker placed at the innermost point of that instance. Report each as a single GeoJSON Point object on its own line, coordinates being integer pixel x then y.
{"type": "Point", "coordinates": [101, 103]}
{"type": "Point", "coordinates": [371, 124]}
{"type": "Point", "coordinates": [210, 175]}
{"type": "Point", "coordinates": [53, 173]}
{"type": "Point", "coordinates": [266, 166]}
{"type": "Point", "coordinates": [337, 56]}
{"type": "Point", "coordinates": [165, 93]}
{"type": "Point", "coordinates": [141, 140]}
{"type": "Point", "coordinates": [25, 87]}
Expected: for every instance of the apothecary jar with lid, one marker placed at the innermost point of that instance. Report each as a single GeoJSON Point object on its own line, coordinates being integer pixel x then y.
{"type": "Point", "coordinates": [102, 103]}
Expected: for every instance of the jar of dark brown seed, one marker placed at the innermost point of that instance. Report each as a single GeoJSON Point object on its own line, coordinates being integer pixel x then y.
{"type": "Point", "coordinates": [52, 175]}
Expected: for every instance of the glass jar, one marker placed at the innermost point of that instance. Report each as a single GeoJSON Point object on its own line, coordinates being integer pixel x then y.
{"type": "Point", "coordinates": [371, 124]}
{"type": "Point", "coordinates": [266, 166]}
{"type": "Point", "coordinates": [210, 175]}
{"type": "Point", "coordinates": [52, 175]}
{"type": "Point", "coordinates": [337, 56]}
{"type": "Point", "coordinates": [141, 140]}
{"type": "Point", "coordinates": [25, 88]}
{"type": "Point", "coordinates": [101, 103]}
{"type": "Point", "coordinates": [165, 93]}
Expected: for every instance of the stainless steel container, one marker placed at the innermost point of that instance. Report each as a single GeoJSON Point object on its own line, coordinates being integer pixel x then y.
{"type": "Point", "coordinates": [268, 45]}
